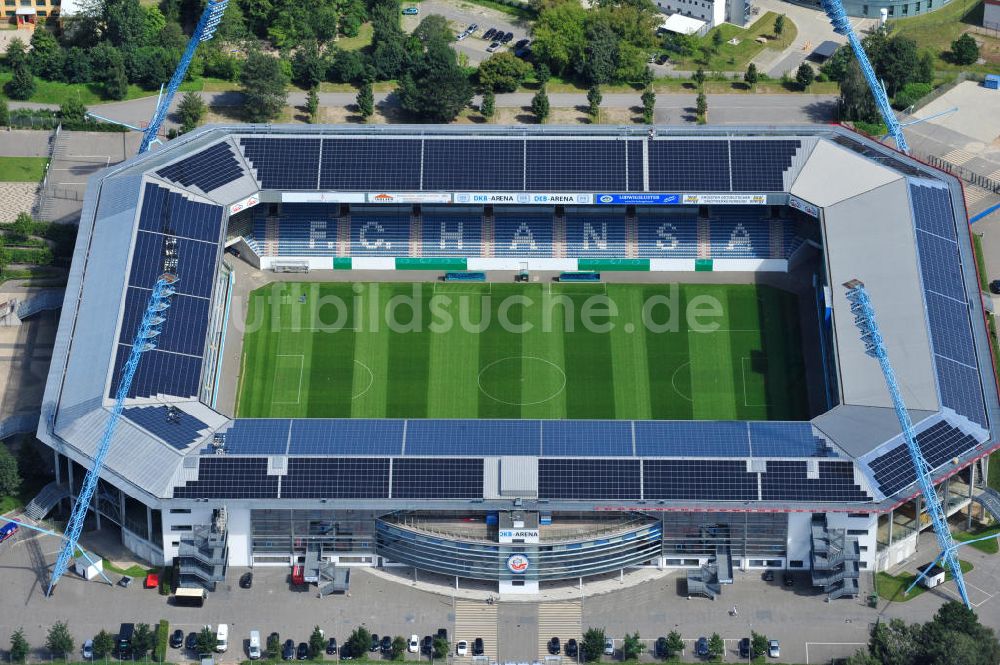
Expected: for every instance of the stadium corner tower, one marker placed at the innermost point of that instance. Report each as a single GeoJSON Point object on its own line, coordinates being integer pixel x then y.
{"type": "Point", "coordinates": [702, 451]}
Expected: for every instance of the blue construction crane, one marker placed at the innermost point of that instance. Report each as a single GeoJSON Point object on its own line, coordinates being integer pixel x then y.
{"type": "Point", "coordinates": [842, 26]}
{"type": "Point", "coordinates": [864, 319]}
{"type": "Point", "coordinates": [149, 329]}
{"type": "Point", "coordinates": [207, 24]}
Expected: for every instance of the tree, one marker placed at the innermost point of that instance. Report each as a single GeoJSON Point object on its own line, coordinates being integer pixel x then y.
{"type": "Point", "coordinates": [190, 110]}
{"type": "Point", "coordinates": [856, 101]}
{"type": "Point", "coordinates": [73, 110]}
{"type": "Point", "coordinates": [273, 647]}
{"type": "Point", "coordinates": [488, 106]}
{"type": "Point", "coordinates": [17, 52]}
{"type": "Point", "coordinates": [345, 67]}
{"type": "Point", "coordinates": [632, 646]}
{"type": "Point", "coordinates": [153, 24]}
{"type": "Point", "coordinates": [805, 76]}
{"type": "Point", "coordinates": [648, 105]}
{"type": "Point", "coordinates": [308, 66]}
{"type": "Point", "coordinates": [359, 641]}
{"type": "Point", "coordinates": [503, 72]}
{"type": "Point", "coordinates": [893, 643]}
{"type": "Point", "coordinates": [751, 76]}
{"type": "Point", "coordinates": [104, 644]}
{"type": "Point", "coordinates": [124, 22]}
{"type": "Point", "coordinates": [699, 77]}
{"type": "Point", "coordinates": [263, 81]}
{"type": "Point", "coordinates": [47, 58]}
{"type": "Point", "coordinates": [542, 73]}
{"type": "Point", "coordinates": [436, 88]}
{"type": "Point", "coordinates": [316, 642]}
{"type": "Point", "coordinates": [10, 479]}
{"type": "Point", "coordinates": [312, 105]}
{"type": "Point", "coordinates": [109, 70]}
{"type": "Point", "coordinates": [59, 642]}
{"type": "Point", "coordinates": [965, 50]}
{"type": "Point", "coordinates": [592, 644]}
{"type": "Point", "coordinates": [398, 649]}
{"type": "Point", "coordinates": [143, 641]}
{"type": "Point", "coordinates": [758, 644]}
{"type": "Point", "coordinates": [366, 100]}
{"type": "Point", "coordinates": [22, 82]}
{"type": "Point", "coordinates": [4, 113]}
{"type": "Point", "coordinates": [701, 105]}
{"type": "Point", "coordinates": [540, 105]}
{"type": "Point", "coordinates": [716, 647]}
{"type": "Point", "coordinates": [779, 25]}
{"type": "Point", "coordinates": [716, 40]}
{"type": "Point", "coordinates": [441, 647]}
{"type": "Point", "coordinates": [434, 27]}
{"type": "Point", "coordinates": [675, 643]}
{"type": "Point", "coordinates": [207, 641]}
{"type": "Point", "coordinates": [594, 98]}
{"type": "Point", "coordinates": [18, 646]}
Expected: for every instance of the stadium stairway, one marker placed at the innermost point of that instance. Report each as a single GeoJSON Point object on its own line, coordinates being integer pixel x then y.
{"type": "Point", "coordinates": [631, 234]}
{"type": "Point", "coordinates": [46, 500]}
{"type": "Point", "coordinates": [271, 230]}
{"type": "Point", "coordinates": [990, 500]}
{"type": "Point", "coordinates": [344, 235]}
{"type": "Point", "coordinates": [563, 620]}
{"type": "Point", "coordinates": [559, 233]}
{"type": "Point", "coordinates": [416, 233]}
{"type": "Point", "coordinates": [487, 233]}
{"type": "Point", "coordinates": [777, 239]}
{"type": "Point", "coordinates": [475, 618]}
{"type": "Point", "coordinates": [704, 238]}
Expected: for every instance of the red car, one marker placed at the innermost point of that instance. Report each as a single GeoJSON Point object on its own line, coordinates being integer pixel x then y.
{"type": "Point", "coordinates": [152, 581]}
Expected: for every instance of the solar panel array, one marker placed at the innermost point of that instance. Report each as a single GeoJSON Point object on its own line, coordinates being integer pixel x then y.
{"type": "Point", "coordinates": [948, 310]}
{"type": "Point", "coordinates": [178, 428]}
{"type": "Point", "coordinates": [788, 480]}
{"type": "Point", "coordinates": [518, 164]}
{"type": "Point", "coordinates": [939, 443]}
{"type": "Point", "coordinates": [437, 478]}
{"type": "Point", "coordinates": [207, 170]}
{"type": "Point", "coordinates": [174, 367]}
{"type": "Point", "coordinates": [698, 480]}
{"type": "Point", "coordinates": [325, 478]}
{"type": "Point", "coordinates": [589, 479]}
{"type": "Point", "coordinates": [230, 478]}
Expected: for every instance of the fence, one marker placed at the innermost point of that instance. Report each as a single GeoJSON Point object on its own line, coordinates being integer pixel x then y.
{"type": "Point", "coordinates": [44, 300]}
{"type": "Point", "coordinates": [25, 423]}
{"type": "Point", "coordinates": [965, 174]}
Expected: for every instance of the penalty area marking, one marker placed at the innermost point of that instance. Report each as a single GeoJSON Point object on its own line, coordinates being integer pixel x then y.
{"type": "Point", "coordinates": [479, 381]}
{"type": "Point", "coordinates": [743, 370]}
{"type": "Point", "coordinates": [673, 381]}
{"type": "Point", "coordinates": [371, 380]}
{"type": "Point", "coordinates": [302, 363]}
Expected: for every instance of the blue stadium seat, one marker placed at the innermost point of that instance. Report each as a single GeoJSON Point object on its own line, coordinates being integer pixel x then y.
{"type": "Point", "coordinates": [740, 232]}
{"type": "Point", "coordinates": [452, 232]}
{"type": "Point", "coordinates": [380, 231]}
{"type": "Point", "coordinates": [594, 233]}
{"type": "Point", "coordinates": [522, 232]}
{"type": "Point", "coordinates": [308, 229]}
{"type": "Point", "coordinates": [668, 233]}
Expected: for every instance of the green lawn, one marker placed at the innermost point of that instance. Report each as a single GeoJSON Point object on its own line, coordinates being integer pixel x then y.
{"type": "Point", "coordinates": [22, 169]}
{"type": "Point", "coordinates": [987, 546]}
{"type": "Point", "coordinates": [311, 358]}
{"type": "Point", "coordinates": [891, 587]}
{"type": "Point", "coordinates": [736, 58]}
{"type": "Point", "coordinates": [363, 39]}
{"type": "Point", "coordinates": [938, 29]}
{"type": "Point", "coordinates": [54, 92]}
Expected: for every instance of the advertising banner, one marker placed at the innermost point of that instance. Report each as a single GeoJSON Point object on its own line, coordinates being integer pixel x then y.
{"type": "Point", "coordinates": [323, 197]}
{"type": "Point", "coordinates": [805, 207]}
{"type": "Point", "coordinates": [524, 198]}
{"type": "Point", "coordinates": [248, 202]}
{"type": "Point", "coordinates": [637, 199]}
{"type": "Point", "coordinates": [409, 197]}
{"type": "Point", "coordinates": [725, 199]}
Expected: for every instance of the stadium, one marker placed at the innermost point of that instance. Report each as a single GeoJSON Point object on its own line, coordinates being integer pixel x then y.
{"type": "Point", "coordinates": [520, 356]}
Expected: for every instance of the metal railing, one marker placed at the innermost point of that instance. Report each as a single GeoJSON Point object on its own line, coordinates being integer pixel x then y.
{"type": "Point", "coordinates": [45, 300]}
{"type": "Point", "coordinates": [971, 177]}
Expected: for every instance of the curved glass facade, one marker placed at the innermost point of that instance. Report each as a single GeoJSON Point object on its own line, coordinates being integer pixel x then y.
{"type": "Point", "coordinates": [872, 8]}
{"type": "Point", "coordinates": [546, 560]}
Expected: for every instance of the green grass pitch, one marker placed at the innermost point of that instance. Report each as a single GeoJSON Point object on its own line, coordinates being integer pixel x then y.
{"type": "Point", "coordinates": [304, 356]}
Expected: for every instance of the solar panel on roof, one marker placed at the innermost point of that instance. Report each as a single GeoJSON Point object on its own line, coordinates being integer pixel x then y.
{"type": "Point", "coordinates": [759, 165]}
{"type": "Point", "coordinates": [283, 163]}
{"type": "Point", "coordinates": [207, 170]}
{"type": "Point", "coordinates": [178, 428]}
{"type": "Point", "coordinates": [184, 329]}
{"type": "Point", "coordinates": [786, 439]}
{"type": "Point", "coordinates": [322, 436]}
{"type": "Point", "coordinates": [473, 437]}
{"type": "Point", "coordinates": [636, 168]}
{"type": "Point", "coordinates": [686, 165]}
{"type": "Point", "coordinates": [590, 438]}
{"type": "Point", "coordinates": [575, 166]}
{"type": "Point", "coordinates": [368, 163]}
{"type": "Point", "coordinates": [588, 479]}
{"type": "Point", "coordinates": [698, 480]}
{"type": "Point", "coordinates": [787, 480]}
{"type": "Point", "coordinates": [667, 438]}
{"type": "Point", "coordinates": [174, 214]}
{"type": "Point", "coordinates": [332, 478]}
{"type": "Point", "coordinates": [493, 165]}
{"type": "Point", "coordinates": [230, 478]}
{"type": "Point", "coordinates": [159, 373]}
{"type": "Point", "coordinates": [258, 436]}
{"type": "Point", "coordinates": [196, 263]}
{"type": "Point", "coordinates": [437, 478]}
{"type": "Point", "coordinates": [939, 443]}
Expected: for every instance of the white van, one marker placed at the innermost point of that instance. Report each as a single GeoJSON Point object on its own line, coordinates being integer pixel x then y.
{"type": "Point", "coordinates": [222, 638]}
{"type": "Point", "coordinates": [254, 650]}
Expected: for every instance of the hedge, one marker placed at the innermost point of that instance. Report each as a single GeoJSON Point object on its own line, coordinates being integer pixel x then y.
{"type": "Point", "coordinates": [162, 637]}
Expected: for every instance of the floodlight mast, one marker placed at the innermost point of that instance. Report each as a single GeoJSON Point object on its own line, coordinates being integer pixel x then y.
{"type": "Point", "coordinates": [842, 26]}
{"type": "Point", "coordinates": [864, 319]}
{"type": "Point", "coordinates": [149, 329]}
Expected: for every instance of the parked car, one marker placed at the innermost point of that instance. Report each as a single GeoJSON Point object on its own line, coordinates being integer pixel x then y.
{"type": "Point", "coordinates": [302, 652]}
{"type": "Point", "coordinates": [995, 286]}
{"type": "Point", "coordinates": [375, 642]}
{"type": "Point", "coordinates": [609, 647]}
{"type": "Point", "coordinates": [191, 642]}
{"type": "Point", "coordinates": [660, 647]}
{"type": "Point", "coordinates": [662, 59]}
{"type": "Point", "coordinates": [507, 38]}
{"type": "Point", "coordinates": [461, 648]}
{"type": "Point", "coordinates": [472, 28]}
{"type": "Point", "coordinates": [427, 645]}
{"type": "Point", "coordinates": [125, 581]}
{"type": "Point", "coordinates": [345, 652]}
{"type": "Point", "coordinates": [288, 650]}
{"type": "Point", "coordinates": [788, 578]}
{"type": "Point", "coordinates": [571, 647]}
{"type": "Point", "coordinates": [488, 35]}
{"type": "Point", "coordinates": [331, 646]}
{"type": "Point", "coordinates": [554, 646]}
{"type": "Point", "coordinates": [774, 649]}
{"type": "Point", "coordinates": [177, 639]}
{"type": "Point", "coordinates": [253, 648]}
{"type": "Point", "coordinates": [411, 11]}
{"type": "Point", "coordinates": [701, 647]}
{"type": "Point", "coordinates": [492, 48]}
{"type": "Point", "coordinates": [521, 43]}
{"type": "Point", "coordinates": [88, 650]}
{"type": "Point", "coordinates": [386, 644]}
{"type": "Point", "coordinates": [477, 646]}
{"type": "Point", "coordinates": [442, 633]}
{"type": "Point", "coordinates": [413, 645]}
{"type": "Point", "coordinates": [246, 580]}
{"type": "Point", "coordinates": [768, 576]}
{"type": "Point", "coordinates": [745, 647]}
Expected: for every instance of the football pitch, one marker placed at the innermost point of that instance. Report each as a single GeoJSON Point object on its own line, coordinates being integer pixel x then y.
{"type": "Point", "coordinates": [580, 351]}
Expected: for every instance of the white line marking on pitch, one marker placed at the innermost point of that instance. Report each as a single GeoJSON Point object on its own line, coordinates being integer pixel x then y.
{"type": "Point", "coordinates": [302, 363]}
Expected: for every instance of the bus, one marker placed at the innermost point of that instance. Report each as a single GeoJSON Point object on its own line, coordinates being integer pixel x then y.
{"type": "Point", "coordinates": [190, 597]}
{"type": "Point", "coordinates": [7, 530]}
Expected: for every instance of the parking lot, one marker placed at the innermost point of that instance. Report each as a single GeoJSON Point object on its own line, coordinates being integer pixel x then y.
{"type": "Point", "coordinates": [463, 14]}
{"type": "Point", "coordinates": [809, 629]}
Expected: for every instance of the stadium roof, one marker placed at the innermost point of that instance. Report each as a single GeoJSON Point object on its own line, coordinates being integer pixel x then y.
{"type": "Point", "coordinates": [886, 219]}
